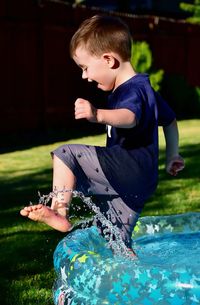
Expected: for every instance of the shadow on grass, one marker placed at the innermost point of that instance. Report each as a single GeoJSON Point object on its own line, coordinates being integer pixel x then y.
{"type": "Point", "coordinates": [19, 191]}
{"type": "Point", "coordinates": [26, 254]}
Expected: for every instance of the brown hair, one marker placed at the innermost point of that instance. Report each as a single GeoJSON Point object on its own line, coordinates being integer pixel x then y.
{"type": "Point", "coordinates": [100, 34]}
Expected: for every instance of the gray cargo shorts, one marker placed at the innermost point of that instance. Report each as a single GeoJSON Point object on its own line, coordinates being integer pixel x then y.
{"type": "Point", "coordinates": [91, 180]}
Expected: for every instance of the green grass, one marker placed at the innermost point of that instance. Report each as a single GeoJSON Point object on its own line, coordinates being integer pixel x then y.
{"type": "Point", "coordinates": [27, 248]}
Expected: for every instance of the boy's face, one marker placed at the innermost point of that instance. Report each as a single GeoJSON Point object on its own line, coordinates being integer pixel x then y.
{"type": "Point", "coordinates": [95, 68]}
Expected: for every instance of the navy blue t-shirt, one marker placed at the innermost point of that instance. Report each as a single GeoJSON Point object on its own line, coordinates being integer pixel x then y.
{"type": "Point", "coordinates": [130, 158]}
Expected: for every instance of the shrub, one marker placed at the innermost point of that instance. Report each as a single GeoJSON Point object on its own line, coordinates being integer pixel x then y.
{"type": "Point", "coordinates": [194, 9]}
{"type": "Point", "coordinates": [141, 59]}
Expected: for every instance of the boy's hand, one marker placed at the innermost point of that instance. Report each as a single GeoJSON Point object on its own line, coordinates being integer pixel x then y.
{"type": "Point", "coordinates": [85, 110]}
{"type": "Point", "coordinates": [175, 165]}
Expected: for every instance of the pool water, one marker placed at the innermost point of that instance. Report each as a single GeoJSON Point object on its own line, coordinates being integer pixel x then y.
{"type": "Point", "coordinates": [173, 250]}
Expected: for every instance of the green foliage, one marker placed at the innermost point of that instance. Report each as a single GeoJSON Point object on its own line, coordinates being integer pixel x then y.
{"type": "Point", "coordinates": [141, 56]}
{"type": "Point", "coordinates": [194, 9]}
{"type": "Point", "coordinates": [156, 79]}
{"type": "Point", "coordinates": [141, 59]}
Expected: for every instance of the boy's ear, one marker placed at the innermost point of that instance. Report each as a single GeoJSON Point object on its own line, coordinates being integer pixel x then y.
{"type": "Point", "coordinates": [110, 60]}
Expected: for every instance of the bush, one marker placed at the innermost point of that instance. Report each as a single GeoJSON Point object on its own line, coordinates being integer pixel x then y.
{"type": "Point", "coordinates": [141, 59]}
{"type": "Point", "coordinates": [194, 9]}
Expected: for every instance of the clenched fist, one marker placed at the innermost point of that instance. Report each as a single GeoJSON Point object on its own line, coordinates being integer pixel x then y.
{"type": "Point", "coordinates": [85, 110]}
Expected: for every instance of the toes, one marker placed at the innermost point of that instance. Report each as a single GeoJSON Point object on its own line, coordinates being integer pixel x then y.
{"type": "Point", "coordinates": [24, 212]}
{"type": "Point", "coordinates": [36, 207]}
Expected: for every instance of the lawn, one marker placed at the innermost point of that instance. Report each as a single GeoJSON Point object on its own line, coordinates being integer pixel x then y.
{"type": "Point", "coordinates": [27, 248]}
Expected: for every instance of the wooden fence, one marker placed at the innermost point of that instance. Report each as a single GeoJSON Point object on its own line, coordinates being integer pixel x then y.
{"type": "Point", "coordinates": [38, 80]}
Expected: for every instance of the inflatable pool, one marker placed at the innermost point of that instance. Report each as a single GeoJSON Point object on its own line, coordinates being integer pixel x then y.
{"type": "Point", "coordinates": [167, 270]}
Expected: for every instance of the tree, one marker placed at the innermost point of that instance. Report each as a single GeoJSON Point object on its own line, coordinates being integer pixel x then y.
{"type": "Point", "coordinates": [141, 59]}
{"type": "Point", "coordinates": [194, 9]}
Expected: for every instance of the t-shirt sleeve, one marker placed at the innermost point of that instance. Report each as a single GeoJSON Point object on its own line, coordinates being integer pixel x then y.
{"type": "Point", "coordinates": [133, 103]}
{"type": "Point", "coordinates": [165, 114]}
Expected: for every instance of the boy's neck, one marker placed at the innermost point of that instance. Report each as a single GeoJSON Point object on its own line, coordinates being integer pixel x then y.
{"type": "Point", "coordinates": [125, 72]}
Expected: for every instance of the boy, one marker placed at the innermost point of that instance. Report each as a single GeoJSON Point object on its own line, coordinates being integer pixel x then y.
{"type": "Point", "coordinates": [122, 175]}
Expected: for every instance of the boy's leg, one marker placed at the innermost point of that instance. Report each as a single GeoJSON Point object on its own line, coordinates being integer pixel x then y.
{"type": "Point", "coordinates": [56, 216]}
{"type": "Point", "coordinates": [91, 180]}
{"type": "Point", "coordinates": [120, 215]}
{"type": "Point", "coordinates": [63, 179]}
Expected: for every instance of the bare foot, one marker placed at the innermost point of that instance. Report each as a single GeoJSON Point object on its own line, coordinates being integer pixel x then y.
{"type": "Point", "coordinates": [46, 215]}
{"type": "Point", "coordinates": [37, 212]}
{"type": "Point", "coordinates": [61, 208]}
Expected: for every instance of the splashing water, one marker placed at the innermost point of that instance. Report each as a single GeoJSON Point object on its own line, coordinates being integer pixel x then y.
{"type": "Point", "coordinates": [111, 232]}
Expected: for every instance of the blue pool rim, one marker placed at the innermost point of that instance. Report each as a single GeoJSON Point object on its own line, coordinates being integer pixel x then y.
{"type": "Point", "coordinates": [77, 260]}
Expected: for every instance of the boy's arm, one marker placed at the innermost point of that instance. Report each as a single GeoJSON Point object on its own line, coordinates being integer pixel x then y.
{"type": "Point", "coordinates": [122, 118]}
{"type": "Point", "coordinates": [174, 162]}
